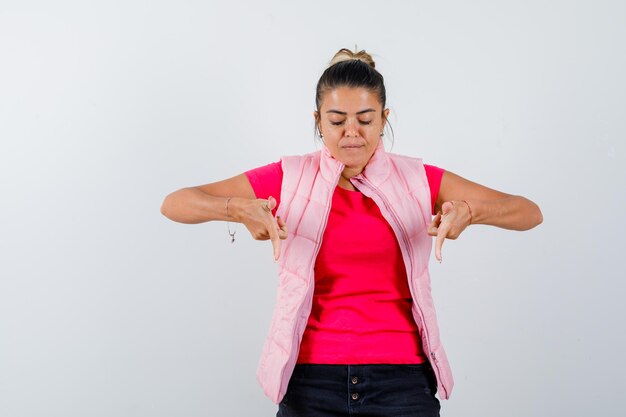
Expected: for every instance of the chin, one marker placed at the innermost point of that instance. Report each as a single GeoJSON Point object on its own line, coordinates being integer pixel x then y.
{"type": "Point", "coordinates": [353, 162]}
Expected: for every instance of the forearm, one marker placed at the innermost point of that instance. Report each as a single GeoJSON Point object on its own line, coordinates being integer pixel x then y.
{"type": "Point", "coordinates": [192, 206]}
{"type": "Point", "coordinates": [512, 212]}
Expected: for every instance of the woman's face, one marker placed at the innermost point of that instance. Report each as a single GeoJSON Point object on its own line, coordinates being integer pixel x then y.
{"type": "Point", "coordinates": [351, 121]}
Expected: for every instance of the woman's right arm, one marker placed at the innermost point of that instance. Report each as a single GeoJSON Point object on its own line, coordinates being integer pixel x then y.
{"type": "Point", "coordinates": [207, 202]}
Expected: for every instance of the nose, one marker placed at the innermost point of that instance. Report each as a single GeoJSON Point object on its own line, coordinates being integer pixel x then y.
{"type": "Point", "coordinates": [351, 128]}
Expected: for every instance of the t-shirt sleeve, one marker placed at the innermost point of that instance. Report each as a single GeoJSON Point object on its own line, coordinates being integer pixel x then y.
{"type": "Point", "coordinates": [266, 181]}
{"type": "Point", "coordinates": [434, 175]}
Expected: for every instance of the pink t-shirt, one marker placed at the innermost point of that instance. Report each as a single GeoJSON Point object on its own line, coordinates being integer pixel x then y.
{"type": "Point", "coordinates": [361, 311]}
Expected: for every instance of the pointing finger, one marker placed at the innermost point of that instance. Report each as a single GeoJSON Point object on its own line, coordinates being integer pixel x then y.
{"type": "Point", "coordinates": [273, 232]}
{"type": "Point", "coordinates": [442, 232]}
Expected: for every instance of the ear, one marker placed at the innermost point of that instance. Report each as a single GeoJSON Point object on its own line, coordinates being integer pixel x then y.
{"type": "Point", "coordinates": [385, 116]}
{"type": "Point", "coordinates": [316, 117]}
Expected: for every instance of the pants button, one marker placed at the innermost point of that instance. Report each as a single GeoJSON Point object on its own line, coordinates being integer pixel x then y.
{"type": "Point", "coordinates": [355, 380]}
{"type": "Point", "coordinates": [355, 396]}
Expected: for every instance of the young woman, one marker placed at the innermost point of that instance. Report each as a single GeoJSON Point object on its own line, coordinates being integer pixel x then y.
{"type": "Point", "coordinates": [354, 330]}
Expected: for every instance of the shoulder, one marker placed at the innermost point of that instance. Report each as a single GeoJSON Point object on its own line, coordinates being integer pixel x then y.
{"type": "Point", "coordinates": [294, 161]}
{"type": "Point", "coordinates": [406, 161]}
{"type": "Point", "coordinates": [415, 161]}
{"type": "Point", "coordinates": [404, 158]}
{"type": "Point", "coordinates": [310, 155]}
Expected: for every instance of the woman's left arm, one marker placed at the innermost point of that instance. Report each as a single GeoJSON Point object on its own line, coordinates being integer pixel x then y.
{"type": "Point", "coordinates": [461, 202]}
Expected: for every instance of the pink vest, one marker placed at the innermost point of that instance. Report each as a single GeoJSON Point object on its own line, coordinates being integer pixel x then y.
{"type": "Point", "coordinates": [399, 187]}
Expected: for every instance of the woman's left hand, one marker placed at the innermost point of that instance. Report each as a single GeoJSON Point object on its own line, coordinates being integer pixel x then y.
{"type": "Point", "coordinates": [449, 223]}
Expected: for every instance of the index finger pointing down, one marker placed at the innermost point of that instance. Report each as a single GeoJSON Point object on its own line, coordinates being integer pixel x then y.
{"type": "Point", "coordinates": [442, 232]}
{"type": "Point", "coordinates": [271, 228]}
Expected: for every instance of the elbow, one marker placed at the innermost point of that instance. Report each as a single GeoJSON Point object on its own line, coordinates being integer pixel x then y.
{"type": "Point", "coordinates": [539, 218]}
{"type": "Point", "coordinates": [529, 215]}
{"type": "Point", "coordinates": [165, 207]}
{"type": "Point", "coordinates": [175, 207]}
{"type": "Point", "coordinates": [536, 217]}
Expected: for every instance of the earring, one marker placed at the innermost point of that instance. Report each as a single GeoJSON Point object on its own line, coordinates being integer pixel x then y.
{"type": "Point", "coordinates": [382, 133]}
{"type": "Point", "coordinates": [319, 132]}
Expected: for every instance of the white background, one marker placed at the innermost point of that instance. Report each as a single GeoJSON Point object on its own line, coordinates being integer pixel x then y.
{"type": "Point", "coordinates": [107, 308]}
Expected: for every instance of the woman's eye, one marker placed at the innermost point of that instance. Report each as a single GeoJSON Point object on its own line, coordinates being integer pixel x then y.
{"type": "Point", "coordinates": [360, 121]}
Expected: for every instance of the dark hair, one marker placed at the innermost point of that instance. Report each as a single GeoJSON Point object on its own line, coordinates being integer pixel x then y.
{"type": "Point", "coordinates": [354, 70]}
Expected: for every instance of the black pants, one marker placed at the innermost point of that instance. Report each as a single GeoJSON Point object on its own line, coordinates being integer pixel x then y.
{"type": "Point", "coordinates": [361, 390]}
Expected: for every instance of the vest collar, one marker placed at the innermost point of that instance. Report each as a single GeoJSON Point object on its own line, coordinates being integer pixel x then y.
{"type": "Point", "coordinates": [376, 171]}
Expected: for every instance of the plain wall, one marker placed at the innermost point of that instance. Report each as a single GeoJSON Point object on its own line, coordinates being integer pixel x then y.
{"type": "Point", "coordinates": [107, 308]}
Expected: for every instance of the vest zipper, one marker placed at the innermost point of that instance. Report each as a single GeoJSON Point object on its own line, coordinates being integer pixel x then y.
{"type": "Point", "coordinates": [407, 245]}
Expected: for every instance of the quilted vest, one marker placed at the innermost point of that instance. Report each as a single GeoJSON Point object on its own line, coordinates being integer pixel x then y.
{"type": "Point", "coordinates": [399, 187]}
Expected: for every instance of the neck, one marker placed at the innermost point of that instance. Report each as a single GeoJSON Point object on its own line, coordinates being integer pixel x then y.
{"type": "Point", "coordinates": [349, 172]}
{"type": "Point", "coordinates": [344, 179]}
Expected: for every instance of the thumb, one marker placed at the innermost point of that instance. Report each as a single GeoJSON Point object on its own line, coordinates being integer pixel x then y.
{"type": "Point", "coordinates": [434, 224]}
{"type": "Point", "coordinates": [446, 207]}
{"type": "Point", "coordinates": [271, 202]}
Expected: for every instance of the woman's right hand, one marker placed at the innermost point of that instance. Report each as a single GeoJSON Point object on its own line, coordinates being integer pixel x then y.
{"type": "Point", "coordinates": [204, 203]}
{"type": "Point", "coordinates": [256, 215]}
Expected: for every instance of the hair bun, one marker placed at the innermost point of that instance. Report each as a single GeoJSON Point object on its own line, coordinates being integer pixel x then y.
{"type": "Point", "coordinates": [346, 55]}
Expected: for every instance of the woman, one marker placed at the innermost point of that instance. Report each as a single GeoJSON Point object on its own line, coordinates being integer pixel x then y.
{"type": "Point", "coordinates": [354, 329]}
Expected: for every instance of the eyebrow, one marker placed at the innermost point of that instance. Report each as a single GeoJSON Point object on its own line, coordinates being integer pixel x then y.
{"type": "Point", "coordinates": [344, 113]}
